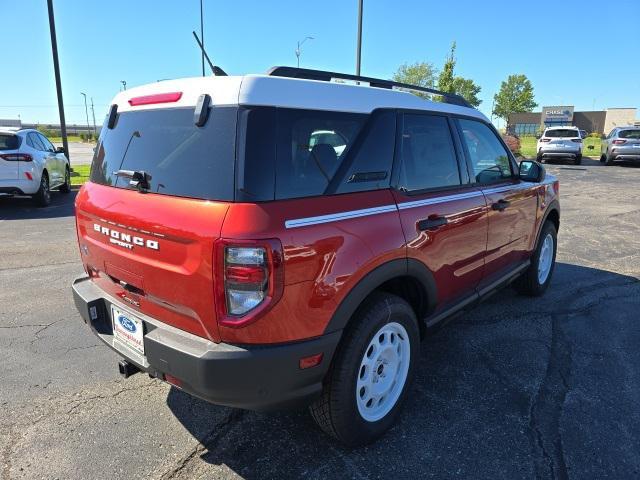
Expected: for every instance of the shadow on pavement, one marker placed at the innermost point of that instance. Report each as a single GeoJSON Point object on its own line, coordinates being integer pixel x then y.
{"type": "Point", "coordinates": [514, 388]}
{"type": "Point", "coordinates": [21, 208]}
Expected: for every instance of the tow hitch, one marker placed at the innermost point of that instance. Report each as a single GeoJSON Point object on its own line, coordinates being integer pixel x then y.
{"type": "Point", "coordinates": [127, 369]}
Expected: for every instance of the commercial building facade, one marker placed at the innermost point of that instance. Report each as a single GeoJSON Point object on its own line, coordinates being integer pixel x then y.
{"type": "Point", "coordinates": [602, 121]}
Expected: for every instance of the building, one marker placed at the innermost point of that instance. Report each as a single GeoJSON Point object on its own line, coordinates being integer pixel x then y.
{"type": "Point", "coordinates": [603, 121]}
{"type": "Point", "coordinates": [10, 122]}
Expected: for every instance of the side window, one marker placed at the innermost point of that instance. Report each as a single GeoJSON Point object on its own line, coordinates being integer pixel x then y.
{"type": "Point", "coordinates": [36, 143]}
{"type": "Point", "coordinates": [368, 166]}
{"type": "Point", "coordinates": [29, 141]}
{"type": "Point", "coordinates": [48, 146]}
{"type": "Point", "coordinates": [311, 145]}
{"type": "Point", "coordinates": [489, 159]}
{"type": "Point", "coordinates": [428, 155]}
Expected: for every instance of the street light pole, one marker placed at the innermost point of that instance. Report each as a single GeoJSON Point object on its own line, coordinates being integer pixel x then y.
{"type": "Point", "coordinates": [298, 51]}
{"type": "Point", "coordinates": [359, 48]}
{"type": "Point", "coordinates": [124, 84]}
{"type": "Point", "coordinates": [93, 114]}
{"type": "Point", "coordinates": [86, 112]}
{"type": "Point", "coordinates": [202, 36]}
{"type": "Point", "coordinates": [56, 69]}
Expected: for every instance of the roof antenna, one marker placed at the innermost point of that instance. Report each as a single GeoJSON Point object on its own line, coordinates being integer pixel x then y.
{"type": "Point", "coordinates": [217, 71]}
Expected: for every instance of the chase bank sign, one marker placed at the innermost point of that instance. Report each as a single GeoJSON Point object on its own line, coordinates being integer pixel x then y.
{"type": "Point", "coordinates": [557, 114]}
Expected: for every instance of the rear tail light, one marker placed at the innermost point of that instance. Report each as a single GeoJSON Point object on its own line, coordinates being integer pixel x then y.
{"type": "Point", "coordinates": [619, 142]}
{"type": "Point", "coordinates": [249, 280]}
{"type": "Point", "coordinates": [17, 157]}
{"type": "Point", "coordinates": [577, 140]}
{"type": "Point", "coordinates": [28, 175]}
{"type": "Point", "coordinates": [556, 187]}
{"type": "Point", "coordinates": [545, 140]}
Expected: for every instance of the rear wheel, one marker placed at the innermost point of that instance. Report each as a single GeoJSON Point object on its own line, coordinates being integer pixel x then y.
{"type": "Point", "coordinates": [66, 186]}
{"type": "Point", "coordinates": [43, 195]}
{"type": "Point", "coordinates": [603, 158]}
{"type": "Point", "coordinates": [371, 372]}
{"type": "Point", "coordinates": [535, 280]}
{"type": "Point", "coordinates": [578, 159]}
{"type": "Point", "coordinates": [608, 160]}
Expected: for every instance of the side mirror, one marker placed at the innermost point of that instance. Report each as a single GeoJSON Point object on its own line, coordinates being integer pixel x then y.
{"type": "Point", "coordinates": [531, 171]}
{"type": "Point", "coordinates": [60, 150]}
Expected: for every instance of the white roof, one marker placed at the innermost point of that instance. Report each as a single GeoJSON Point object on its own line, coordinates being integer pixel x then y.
{"type": "Point", "coordinates": [264, 90]}
{"type": "Point", "coordinates": [567, 127]}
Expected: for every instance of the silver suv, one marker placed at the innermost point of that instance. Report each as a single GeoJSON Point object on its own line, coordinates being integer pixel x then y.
{"type": "Point", "coordinates": [622, 143]}
{"type": "Point", "coordinates": [560, 142]}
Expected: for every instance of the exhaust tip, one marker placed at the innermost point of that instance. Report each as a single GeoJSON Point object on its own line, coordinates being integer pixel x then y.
{"type": "Point", "coordinates": [127, 369]}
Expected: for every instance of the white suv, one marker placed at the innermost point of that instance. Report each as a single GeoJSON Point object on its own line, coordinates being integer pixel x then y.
{"type": "Point", "coordinates": [31, 165]}
{"type": "Point", "coordinates": [560, 142]}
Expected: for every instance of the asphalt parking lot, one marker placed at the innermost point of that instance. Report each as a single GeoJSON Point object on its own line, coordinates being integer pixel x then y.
{"type": "Point", "coordinates": [516, 388]}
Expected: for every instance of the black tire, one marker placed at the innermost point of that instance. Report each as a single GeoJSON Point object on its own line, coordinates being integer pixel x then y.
{"type": "Point", "coordinates": [337, 410]}
{"type": "Point", "coordinates": [608, 161]}
{"type": "Point", "coordinates": [603, 158]}
{"type": "Point", "coordinates": [539, 158]}
{"type": "Point", "coordinates": [43, 196]}
{"type": "Point", "coordinates": [578, 159]}
{"type": "Point", "coordinates": [66, 186]}
{"type": "Point", "coordinates": [529, 282]}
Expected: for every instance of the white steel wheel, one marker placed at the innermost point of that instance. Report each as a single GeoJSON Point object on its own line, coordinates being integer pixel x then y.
{"type": "Point", "coordinates": [383, 372]}
{"type": "Point", "coordinates": [545, 259]}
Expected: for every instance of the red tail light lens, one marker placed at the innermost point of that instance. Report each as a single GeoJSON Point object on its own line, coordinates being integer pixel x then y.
{"type": "Point", "coordinates": [157, 98]}
{"type": "Point", "coordinates": [249, 279]}
{"type": "Point", "coordinates": [619, 142]}
{"type": "Point", "coordinates": [556, 187]}
{"type": "Point", "coordinates": [545, 140]}
{"type": "Point", "coordinates": [17, 157]}
{"type": "Point", "coordinates": [28, 175]}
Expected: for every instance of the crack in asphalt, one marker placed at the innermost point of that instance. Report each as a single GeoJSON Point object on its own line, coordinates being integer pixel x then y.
{"type": "Point", "coordinates": [547, 408]}
{"type": "Point", "coordinates": [208, 441]}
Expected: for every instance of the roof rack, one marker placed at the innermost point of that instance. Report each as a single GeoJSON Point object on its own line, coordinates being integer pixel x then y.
{"type": "Point", "coordinates": [321, 75]}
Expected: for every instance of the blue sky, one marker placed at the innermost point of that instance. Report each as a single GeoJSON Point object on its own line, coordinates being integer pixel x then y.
{"type": "Point", "coordinates": [570, 50]}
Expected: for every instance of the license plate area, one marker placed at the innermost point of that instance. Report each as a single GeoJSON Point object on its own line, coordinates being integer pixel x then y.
{"type": "Point", "coordinates": [128, 329]}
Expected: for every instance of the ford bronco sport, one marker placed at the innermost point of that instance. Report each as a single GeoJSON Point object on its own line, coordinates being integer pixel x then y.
{"type": "Point", "coordinates": [282, 240]}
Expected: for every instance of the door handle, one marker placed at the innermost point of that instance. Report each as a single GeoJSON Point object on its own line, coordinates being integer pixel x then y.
{"type": "Point", "coordinates": [500, 205]}
{"type": "Point", "coordinates": [432, 223]}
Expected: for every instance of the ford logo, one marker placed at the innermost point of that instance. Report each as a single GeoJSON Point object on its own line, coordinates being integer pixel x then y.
{"type": "Point", "coordinates": [127, 324]}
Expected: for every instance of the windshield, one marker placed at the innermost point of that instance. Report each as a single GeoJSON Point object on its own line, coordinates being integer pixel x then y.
{"type": "Point", "coordinates": [9, 141]}
{"type": "Point", "coordinates": [181, 158]}
{"type": "Point", "coordinates": [629, 134]}
{"type": "Point", "coordinates": [562, 133]}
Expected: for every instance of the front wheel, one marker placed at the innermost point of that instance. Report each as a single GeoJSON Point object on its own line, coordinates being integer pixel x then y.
{"type": "Point", "coordinates": [535, 280]}
{"type": "Point", "coordinates": [371, 372]}
{"type": "Point", "coordinates": [43, 195]}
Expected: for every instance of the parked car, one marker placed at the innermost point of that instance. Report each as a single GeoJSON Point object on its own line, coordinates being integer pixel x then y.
{"type": "Point", "coordinates": [583, 134]}
{"type": "Point", "coordinates": [267, 242]}
{"type": "Point", "coordinates": [31, 165]}
{"type": "Point", "coordinates": [560, 143]}
{"type": "Point", "coordinates": [622, 143]}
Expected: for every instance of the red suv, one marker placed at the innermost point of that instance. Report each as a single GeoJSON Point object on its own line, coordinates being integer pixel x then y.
{"type": "Point", "coordinates": [272, 241]}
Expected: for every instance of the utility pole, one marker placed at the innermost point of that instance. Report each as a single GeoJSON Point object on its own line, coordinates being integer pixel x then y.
{"type": "Point", "coordinates": [86, 112]}
{"type": "Point", "coordinates": [93, 114]}
{"type": "Point", "coordinates": [124, 84]}
{"type": "Point", "coordinates": [359, 48]}
{"type": "Point", "coordinates": [202, 36]}
{"type": "Point", "coordinates": [56, 69]}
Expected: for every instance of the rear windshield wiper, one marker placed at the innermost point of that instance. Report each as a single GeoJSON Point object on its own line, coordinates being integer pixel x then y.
{"type": "Point", "coordinates": [138, 178]}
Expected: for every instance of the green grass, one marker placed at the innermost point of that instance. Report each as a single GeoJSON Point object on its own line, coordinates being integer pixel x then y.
{"type": "Point", "coordinates": [80, 174]}
{"type": "Point", "coordinates": [528, 146]}
{"type": "Point", "coordinates": [70, 138]}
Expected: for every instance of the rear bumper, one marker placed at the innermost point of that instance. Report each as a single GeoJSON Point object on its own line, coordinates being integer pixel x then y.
{"type": "Point", "coordinates": [559, 153]}
{"type": "Point", "coordinates": [19, 187]}
{"type": "Point", "coordinates": [626, 154]}
{"type": "Point", "coordinates": [266, 377]}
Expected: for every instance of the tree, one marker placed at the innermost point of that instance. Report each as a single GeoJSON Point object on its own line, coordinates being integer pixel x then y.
{"type": "Point", "coordinates": [448, 82]}
{"type": "Point", "coordinates": [446, 78]}
{"type": "Point", "coordinates": [515, 96]}
{"type": "Point", "coordinates": [467, 89]}
{"type": "Point", "coordinates": [422, 74]}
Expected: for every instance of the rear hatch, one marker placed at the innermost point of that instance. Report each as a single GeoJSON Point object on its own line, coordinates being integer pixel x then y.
{"type": "Point", "coordinates": [564, 138]}
{"type": "Point", "coordinates": [153, 246]}
{"type": "Point", "coordinates": [9, 164]}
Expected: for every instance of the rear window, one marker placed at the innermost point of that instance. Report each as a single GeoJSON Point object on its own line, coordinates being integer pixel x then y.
{"type": "Point", "coordinates": [562, 133]}
{"type": "Point", "coordinates": [629, 134]}
{"type": "Point", "coordinates": [9, 141]}
{"type": "Point", "coordinates": [183, 159]}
